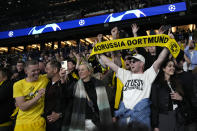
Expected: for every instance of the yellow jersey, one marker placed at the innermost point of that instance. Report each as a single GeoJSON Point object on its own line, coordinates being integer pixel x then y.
{"type": "Point", "coordinates": [29, 90]}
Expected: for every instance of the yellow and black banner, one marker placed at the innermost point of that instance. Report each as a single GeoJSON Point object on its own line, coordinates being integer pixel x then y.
{"type": "Point", "coordinates": [133, 42]}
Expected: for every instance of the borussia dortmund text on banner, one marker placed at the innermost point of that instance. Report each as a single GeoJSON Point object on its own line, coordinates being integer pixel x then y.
{"type": "Point", "coordinates": [133, 42]}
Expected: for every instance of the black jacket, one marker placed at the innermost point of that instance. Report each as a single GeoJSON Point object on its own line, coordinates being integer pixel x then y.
{"type": "Point", "coordinates": [161, 102]}
{"type": "Point", "coordinates": [53, 98]}
{"type": "Point", "coordinates": [53, 103]}
{"type": "Point", "coordinates": [6, 101]}
{"type": "Point", "coordinates": [58, 98]}
{"type": "Point", "coordinates": [68, 91]}
{"type": "Point", "coordinates": [189, 84]}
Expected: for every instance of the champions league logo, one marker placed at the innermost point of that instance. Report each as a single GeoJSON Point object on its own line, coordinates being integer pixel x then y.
{"type": "Point", "coordinates": [47, 28]}
{"type": "Point", "coordinates": [135, 13]}
{"type": "Point", "coordinates": [172, 8]}
{"type": "Point", "coordinates": [81, 22]}
{"type": "Point", "coordinates": [11, 33]}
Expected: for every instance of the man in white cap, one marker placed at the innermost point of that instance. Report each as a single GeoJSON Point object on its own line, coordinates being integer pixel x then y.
{"type": "Point", "coordinates": [135, 105]}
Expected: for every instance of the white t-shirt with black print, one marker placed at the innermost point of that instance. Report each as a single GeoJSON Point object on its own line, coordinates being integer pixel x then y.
{"type": "Point", "coordinates": [136, 86]}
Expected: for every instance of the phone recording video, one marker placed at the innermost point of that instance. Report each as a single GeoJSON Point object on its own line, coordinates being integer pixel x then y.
{"type": "Point", "coordinates": [190, 37]}
{"type": "Point", "coordinates": [64, 65]}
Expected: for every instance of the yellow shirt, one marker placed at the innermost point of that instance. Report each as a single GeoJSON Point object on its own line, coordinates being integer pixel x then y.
{"type": "Point", "coordinates": [29, 90]}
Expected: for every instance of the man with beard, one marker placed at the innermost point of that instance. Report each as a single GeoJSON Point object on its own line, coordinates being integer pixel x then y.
{"type": "Point", "coordinates": [53, 97]}
{"type": "Point", "coordinates": [57, 97]}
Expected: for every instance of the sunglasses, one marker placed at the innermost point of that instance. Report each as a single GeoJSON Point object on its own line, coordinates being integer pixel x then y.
{"type": "Point", "coordinates": [133, 61]}
{"type": "Point", "coordinates": [128, 58]}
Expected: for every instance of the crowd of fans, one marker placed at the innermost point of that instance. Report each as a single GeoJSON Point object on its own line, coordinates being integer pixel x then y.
{"type": "Point", "coordinates": [145, 89]}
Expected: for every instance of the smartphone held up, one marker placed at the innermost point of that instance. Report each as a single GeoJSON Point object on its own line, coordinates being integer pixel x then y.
{"type": "Point", "coordinates": [64, 65]}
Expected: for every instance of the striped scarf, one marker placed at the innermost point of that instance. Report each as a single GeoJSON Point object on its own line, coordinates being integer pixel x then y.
{"type": "Point", "coordinates": [79, 103]}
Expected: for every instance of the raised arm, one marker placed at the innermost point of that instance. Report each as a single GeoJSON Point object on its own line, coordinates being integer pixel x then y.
{"type": "Point", "coordinates": [187, 59]}
{"type": "Point", "coordinates": [103, 59]}
{"type": "Point", "coordinates": [109, 63]}
{"type": "Point", "coordinates": [99, 37]}
{"type": "Point", "coordinates": [134, 28]}
{"type": "Point", "coordinates": [77, 56]}
{"type": "Point", "coordinates": [186, 50]}
{"type": "Point", "coordinates": [115, 57]}
{"type": "Point", "coordinates": [162, 56]}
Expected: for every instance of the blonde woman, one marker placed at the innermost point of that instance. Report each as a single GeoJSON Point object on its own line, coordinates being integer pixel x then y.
{"type": "Point", "coordinates": [90, 106]}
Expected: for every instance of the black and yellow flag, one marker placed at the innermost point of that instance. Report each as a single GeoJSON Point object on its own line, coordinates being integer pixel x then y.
{"type": "Point", "coordinates": [133, 42]}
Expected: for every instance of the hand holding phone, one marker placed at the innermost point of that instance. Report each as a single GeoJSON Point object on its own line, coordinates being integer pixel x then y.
{"type": "Point", "coordinates": [190, 37]}
{"type": "Point", "coordinates": [64, 65]}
